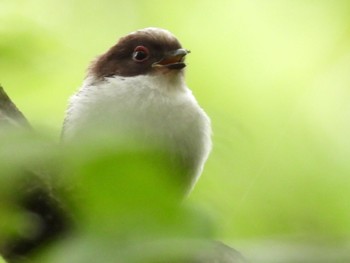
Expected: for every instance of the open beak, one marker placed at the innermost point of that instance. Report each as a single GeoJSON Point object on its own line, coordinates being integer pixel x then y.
{"type": "Point", "coordinates": [173, 59]}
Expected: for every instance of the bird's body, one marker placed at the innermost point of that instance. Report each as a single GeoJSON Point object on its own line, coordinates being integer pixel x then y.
{"type": "Point", "coordinates": [147, 100]}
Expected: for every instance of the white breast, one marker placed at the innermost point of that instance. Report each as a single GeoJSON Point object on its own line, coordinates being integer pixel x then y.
{"type": "Point", "coordinates": [156, 108]}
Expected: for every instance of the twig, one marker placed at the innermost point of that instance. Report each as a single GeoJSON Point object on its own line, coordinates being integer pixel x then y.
{"type": "Point", "coordinates": [9, 113]}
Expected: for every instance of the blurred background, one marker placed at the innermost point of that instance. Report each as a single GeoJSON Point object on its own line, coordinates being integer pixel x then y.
{"type": "Point", "coordinates": [274, 76]}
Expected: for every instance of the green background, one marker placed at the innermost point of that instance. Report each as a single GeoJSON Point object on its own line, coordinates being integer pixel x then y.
{"type": "Point", "coordinates": [274, 76]}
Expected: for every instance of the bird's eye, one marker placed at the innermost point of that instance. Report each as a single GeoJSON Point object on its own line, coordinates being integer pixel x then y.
{"type": "Point", "coordinates": [140, 54]}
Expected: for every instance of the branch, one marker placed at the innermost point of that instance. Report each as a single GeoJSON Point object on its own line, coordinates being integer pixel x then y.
{"type": "Point", "coordinates": [9, 113]}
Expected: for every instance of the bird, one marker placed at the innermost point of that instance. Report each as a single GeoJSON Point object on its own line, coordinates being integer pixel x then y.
{"type": "Point", "coordinates": [137, 89]}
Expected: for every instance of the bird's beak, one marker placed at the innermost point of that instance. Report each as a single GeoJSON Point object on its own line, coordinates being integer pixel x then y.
{"type": "Point", "coordinates": [173, 59]}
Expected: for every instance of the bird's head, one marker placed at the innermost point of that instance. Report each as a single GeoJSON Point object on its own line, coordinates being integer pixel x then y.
{"type": "Point", "coordinates": [146, 51]}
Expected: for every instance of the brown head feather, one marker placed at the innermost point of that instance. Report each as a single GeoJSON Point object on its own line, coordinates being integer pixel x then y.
{"type": "Point", "coordinates": [118, 59]}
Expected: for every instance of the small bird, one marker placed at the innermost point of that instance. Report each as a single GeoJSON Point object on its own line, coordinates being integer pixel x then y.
{"type": "Point", "coordinates": [137, 88]}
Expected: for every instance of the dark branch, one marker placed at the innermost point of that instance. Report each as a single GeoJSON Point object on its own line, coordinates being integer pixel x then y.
{"type": "Point", "coordinates": [9, 113]}
{"type": "Point", "coordinates": [34, 198]}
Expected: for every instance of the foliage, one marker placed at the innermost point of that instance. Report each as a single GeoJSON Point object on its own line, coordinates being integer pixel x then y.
{"type": "Point", "coordinates": [122, 201]}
